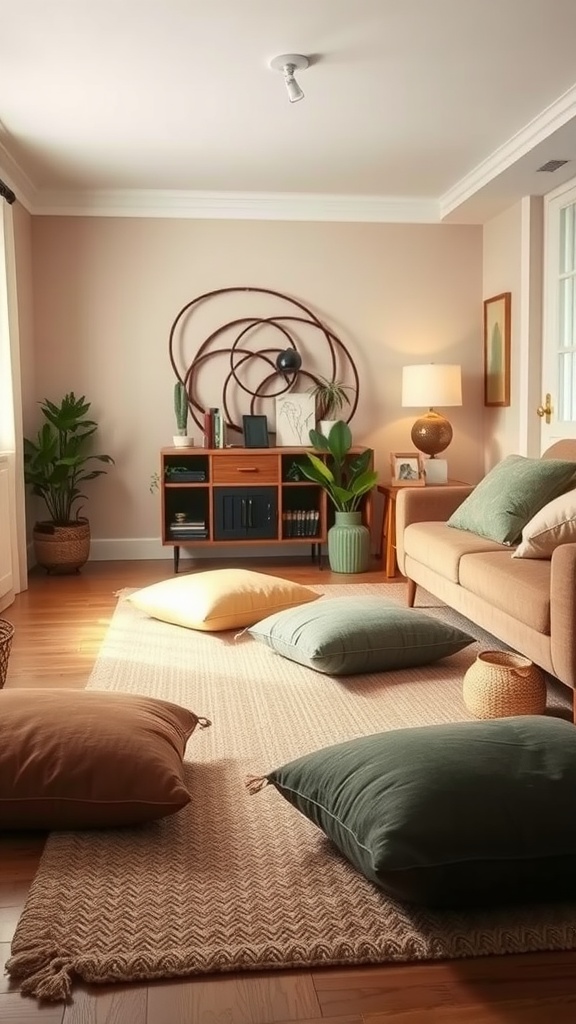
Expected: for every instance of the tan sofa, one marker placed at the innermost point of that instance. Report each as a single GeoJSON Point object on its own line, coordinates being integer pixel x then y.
{"type": "Point", "coordinates": [530, 604]}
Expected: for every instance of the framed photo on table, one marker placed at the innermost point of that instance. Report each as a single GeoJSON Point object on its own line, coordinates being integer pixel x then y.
{"type": "Point", "coordinates": [497, 350]}
{"type": "Point", "coordinates": [407, 469]}
{"type": "Point", "coordinates": [255, 430]}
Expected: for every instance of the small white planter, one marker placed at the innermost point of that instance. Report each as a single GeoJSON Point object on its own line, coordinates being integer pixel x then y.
{"type": "Point", "coordinates": [183, 441]}
{"type": "Point", "coordinates": [325, 426]}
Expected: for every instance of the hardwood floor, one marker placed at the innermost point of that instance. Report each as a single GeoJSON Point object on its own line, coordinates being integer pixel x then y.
{"type": "Point", "coordinates": [60, 623]}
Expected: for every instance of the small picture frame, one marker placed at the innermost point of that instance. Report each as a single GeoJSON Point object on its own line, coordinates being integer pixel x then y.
{"type": "Point", "coordinates": [497, 350]}
{"type": "Point", "coordinates": [255, 430]}
{"type": "Point", "coordinates": [407, 469]}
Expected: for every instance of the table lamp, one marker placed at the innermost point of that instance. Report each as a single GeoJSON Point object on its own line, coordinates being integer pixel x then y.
{"type": "Point", "coordinates": [432, 384]}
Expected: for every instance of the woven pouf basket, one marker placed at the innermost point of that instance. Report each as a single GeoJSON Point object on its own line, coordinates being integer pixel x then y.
{"type": "Point", "coordinates": [62, 549]}
{"type": "Point", "coordinates": [500, 684]}
{"type": "Point", "coordinates": [6, 635]}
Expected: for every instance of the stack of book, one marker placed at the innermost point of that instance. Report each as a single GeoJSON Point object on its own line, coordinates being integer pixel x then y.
{"type": "Point", "coordinates": [184, 475]}
{"type": "Point", "coordinates": [300, 522]}
{"type": "Point", "coordinates": [188, 529]}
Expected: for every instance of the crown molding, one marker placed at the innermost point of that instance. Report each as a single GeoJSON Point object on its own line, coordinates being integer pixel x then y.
{"type": "Point", "coordinates": [290, 206]}
{"type": "Point", "coordinates": [536, 131]}
{"type": "Point", "coordinates": [17, 179]}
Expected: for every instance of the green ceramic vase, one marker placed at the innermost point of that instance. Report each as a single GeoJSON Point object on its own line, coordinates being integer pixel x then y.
{"type": "Point", "coordinates": [348, 543]}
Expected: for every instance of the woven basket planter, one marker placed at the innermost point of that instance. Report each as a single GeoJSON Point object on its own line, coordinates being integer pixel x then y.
{"type": "Point", "coordinates": [6, 635]}
{"type": "Point", "coordinates": [500, 684]}
{"type": "Point", "coordinates": [62, 549]}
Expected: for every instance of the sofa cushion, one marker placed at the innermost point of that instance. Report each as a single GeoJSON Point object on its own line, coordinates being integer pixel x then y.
{"type": "Point", "coordinates": [220, 599]}
{"type": "Point", "coordinates": [449, 815]}
{"type": "Point", "coordinates": [553, 525]}
{"type": "Point", "coordinates": [440, 548]}
{"type": "Point", "coordinates": [510, 494]}
{"type": "Point", "coordinates": [520, 588]}
{"type": "Point", "coordinates": [350, 635]}
{"type": "Point", "coordinates": [90, 759]}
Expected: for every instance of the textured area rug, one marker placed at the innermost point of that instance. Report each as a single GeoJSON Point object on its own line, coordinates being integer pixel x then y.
{"type": "Point", "coordinates": [241, 882]}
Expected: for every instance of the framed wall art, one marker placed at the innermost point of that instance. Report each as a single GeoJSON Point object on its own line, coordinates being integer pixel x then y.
{"type": "Point", "coordinates": [295, 418]}
{"type": "Point", "coordinates": [497, 350]}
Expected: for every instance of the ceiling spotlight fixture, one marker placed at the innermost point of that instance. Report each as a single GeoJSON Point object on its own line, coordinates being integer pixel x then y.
{"type": "Point", "coordinates": [288, 63]}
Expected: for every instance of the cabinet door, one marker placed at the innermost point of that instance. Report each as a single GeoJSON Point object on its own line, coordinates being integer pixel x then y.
{"type": "Point", "coordinates": [249, 514]}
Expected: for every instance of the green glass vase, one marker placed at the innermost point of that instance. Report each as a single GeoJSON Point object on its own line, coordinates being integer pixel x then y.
{"type": "Point", "coordinates": [348, 543]}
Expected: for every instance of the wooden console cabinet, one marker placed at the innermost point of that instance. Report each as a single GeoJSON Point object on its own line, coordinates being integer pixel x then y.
{"type": "Point", "coordinates": [252, 496]}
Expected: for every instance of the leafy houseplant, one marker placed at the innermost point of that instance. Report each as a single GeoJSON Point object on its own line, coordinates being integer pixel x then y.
{"type": "Point", "coordinates": [330, 397]}
{"type": "Point", "coordinates": [345, 479]}
{"type": "Point", "coordinates": [56, 468]}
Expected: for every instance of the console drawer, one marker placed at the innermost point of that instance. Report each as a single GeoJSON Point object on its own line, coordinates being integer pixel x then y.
{"type": "Point", "coordinates": [247, 470]}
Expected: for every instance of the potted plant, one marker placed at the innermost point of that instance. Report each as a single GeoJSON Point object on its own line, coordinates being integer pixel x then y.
{"type": "Point", "coordinates": [181, 409]}
{"type": "Point", "coordinates": [56, 467]}
{"type": "Point", "coordinates": [345, 479]}
{"type": "Point", "coordinates": [331, 397]}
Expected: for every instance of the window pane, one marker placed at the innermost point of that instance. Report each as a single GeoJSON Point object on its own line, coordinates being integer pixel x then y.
{"type": "Point", "coordinates": [568, 239]}
{"type": "Point", "coordinates": [566, 390]}
{"type": "Point", "coordinates": [567, 313]}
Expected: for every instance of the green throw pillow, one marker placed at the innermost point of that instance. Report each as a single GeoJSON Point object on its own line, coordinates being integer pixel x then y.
{"type": "Point", "coordinates": [346, 636]}
{"type": "Point", "coordinates": [510, 494]}
{"type": "Point", "coordinates": [455, 815]}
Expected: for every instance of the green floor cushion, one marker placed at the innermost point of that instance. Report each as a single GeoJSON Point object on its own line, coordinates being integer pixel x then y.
{"type": "Point", "coordinates": [457, 815]}
{"type": "Point", "coordinates": [73, 759]}
{"type": "Point", "coordinates": [350, 635]}
{"type": "Point", "coordinates": [510, 495]}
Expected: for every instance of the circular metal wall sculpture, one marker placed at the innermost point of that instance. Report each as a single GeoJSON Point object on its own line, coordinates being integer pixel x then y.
{"type": "Point", "coordinates": [262, 356]}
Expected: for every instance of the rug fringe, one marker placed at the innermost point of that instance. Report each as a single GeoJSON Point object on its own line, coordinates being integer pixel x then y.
{"type": "Point", "coordinates": [42, 972]}
{"type": "Point", "coordinates": [254, 783]}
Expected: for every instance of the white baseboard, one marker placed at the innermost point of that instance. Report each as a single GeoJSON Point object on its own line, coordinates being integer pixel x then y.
{"type": "Point", "coordinates": [148, 548]}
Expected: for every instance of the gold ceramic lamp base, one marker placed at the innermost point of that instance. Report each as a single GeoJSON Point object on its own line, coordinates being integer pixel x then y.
{"type": "Point", "coordinates": [431, 433]}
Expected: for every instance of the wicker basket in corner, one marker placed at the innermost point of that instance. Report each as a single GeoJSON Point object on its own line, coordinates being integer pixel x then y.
{"type": "Point", "coordinates": [62, 549]}
{"type": "Point", "coordinates": [6, 635]}
{"type": "Point", "coordinates": [500, 684]}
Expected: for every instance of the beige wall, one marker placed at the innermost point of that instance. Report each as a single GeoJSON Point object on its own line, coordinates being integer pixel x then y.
{"type": "Point", "coordinates": [512, 262]}
{"type": "Point", "coordinates": [107, 290]}
{"type": "Point", "coordinates": [502, 273]}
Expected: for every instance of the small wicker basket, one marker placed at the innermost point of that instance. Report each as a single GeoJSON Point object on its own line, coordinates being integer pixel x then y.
{"type": "Point", "coordinates": [6, 635]}
{"type": "Point", "coordinates": [500, 684]}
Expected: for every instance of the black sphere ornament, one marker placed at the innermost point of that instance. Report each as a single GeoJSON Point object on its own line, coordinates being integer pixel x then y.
{"type": "Point", "coordinates": [288, 361]}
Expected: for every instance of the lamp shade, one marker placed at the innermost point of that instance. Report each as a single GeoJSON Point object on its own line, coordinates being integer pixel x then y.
{"type": "Point", "coordinates": [431, 384]}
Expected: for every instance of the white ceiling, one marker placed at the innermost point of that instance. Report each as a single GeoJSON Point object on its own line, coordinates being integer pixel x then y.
{"type": "Point", "coordinates": [413, 109]}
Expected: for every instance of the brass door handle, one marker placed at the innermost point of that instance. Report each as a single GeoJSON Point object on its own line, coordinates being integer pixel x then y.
{"type": "Point", "coordinates": [545, 410]}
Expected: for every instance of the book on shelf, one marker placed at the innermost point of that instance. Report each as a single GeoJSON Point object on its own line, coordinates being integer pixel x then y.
{"type": "Point", "coordinates": [219, 429]}
{"type": "Point", "coordinates": [188, 526]}
{"type": "Point", "coordinates": [300, 522]}
{"type": "Point", "coordinates": [209, 427]}
{"type": "Point", "coordinates": [185, 476]}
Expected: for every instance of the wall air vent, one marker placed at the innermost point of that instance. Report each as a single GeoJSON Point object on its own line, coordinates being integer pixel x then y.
{"type": "Point", "coordinates": [552, 165]}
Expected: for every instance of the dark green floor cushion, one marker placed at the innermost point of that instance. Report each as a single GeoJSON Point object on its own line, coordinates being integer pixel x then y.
{"type": "Point", "coordinates": [458, 815]}
{"type": "Point", "coordinates": [346, 636]}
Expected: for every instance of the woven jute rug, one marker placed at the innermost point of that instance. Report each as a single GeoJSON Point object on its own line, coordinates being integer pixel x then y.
{"type": "Point", "coordinates": [242, 882]}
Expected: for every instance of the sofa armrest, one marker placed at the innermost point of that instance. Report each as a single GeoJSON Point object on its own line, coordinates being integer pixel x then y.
{"type": "Point", "coordinates": [428, 504]}
{"type": "Point", "coordinates": [425, 505]}
{"type": "Point", "coordinates": [563, 612]}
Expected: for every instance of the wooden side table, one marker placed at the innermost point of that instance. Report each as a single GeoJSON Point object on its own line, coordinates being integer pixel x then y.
{"type": "Point", "coordinates": [387, 550]}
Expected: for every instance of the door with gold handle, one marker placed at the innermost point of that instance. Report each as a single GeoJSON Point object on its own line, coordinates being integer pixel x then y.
{"type": "Point", "coordinates": [545, 410]}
